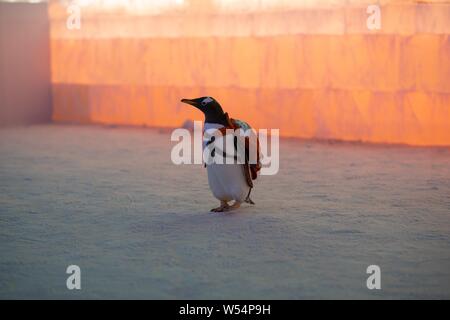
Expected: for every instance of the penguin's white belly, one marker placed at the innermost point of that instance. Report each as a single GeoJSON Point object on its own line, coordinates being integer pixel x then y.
{"type": "Point", "coordinates": [227, 181]}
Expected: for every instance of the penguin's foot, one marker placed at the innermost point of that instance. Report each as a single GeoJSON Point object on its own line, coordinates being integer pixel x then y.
{"type": "Point", "coordinates": [248, 200]}
{"type": "Point", "coordinates": [223, 207]}
{"type": "Point", "coordinates": [234, 206]}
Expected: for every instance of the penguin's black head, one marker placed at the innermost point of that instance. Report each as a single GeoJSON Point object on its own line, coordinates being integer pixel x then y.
{"type": "Point", "coordinates": [210, 107]}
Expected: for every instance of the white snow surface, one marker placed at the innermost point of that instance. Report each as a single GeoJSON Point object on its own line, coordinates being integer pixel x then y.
{"type": "Point", "coordinates": [109, 200]}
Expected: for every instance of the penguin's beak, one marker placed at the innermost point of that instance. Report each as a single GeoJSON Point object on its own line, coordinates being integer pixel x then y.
{"type": "Point", "coordinates": [191, 102]}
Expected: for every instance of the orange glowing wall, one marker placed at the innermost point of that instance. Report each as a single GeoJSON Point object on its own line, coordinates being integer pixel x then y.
{"type": "Point", "coordinates": [312, 72]}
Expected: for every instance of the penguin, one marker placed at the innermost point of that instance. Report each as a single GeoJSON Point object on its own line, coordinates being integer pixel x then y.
{"type": "Point", "coordinates": [228, 182]}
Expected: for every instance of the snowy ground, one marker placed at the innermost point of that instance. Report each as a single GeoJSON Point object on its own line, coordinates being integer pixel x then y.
{"type": "Point", "coordinates": [110, 201]}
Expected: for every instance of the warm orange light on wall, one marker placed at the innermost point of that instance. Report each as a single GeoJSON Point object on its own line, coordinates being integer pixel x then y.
{"type": "Point", "coordinates": [313, 72]}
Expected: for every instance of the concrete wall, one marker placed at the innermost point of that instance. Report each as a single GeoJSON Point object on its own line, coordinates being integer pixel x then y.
{"type": "Point", "coordinates": [25, 89]}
